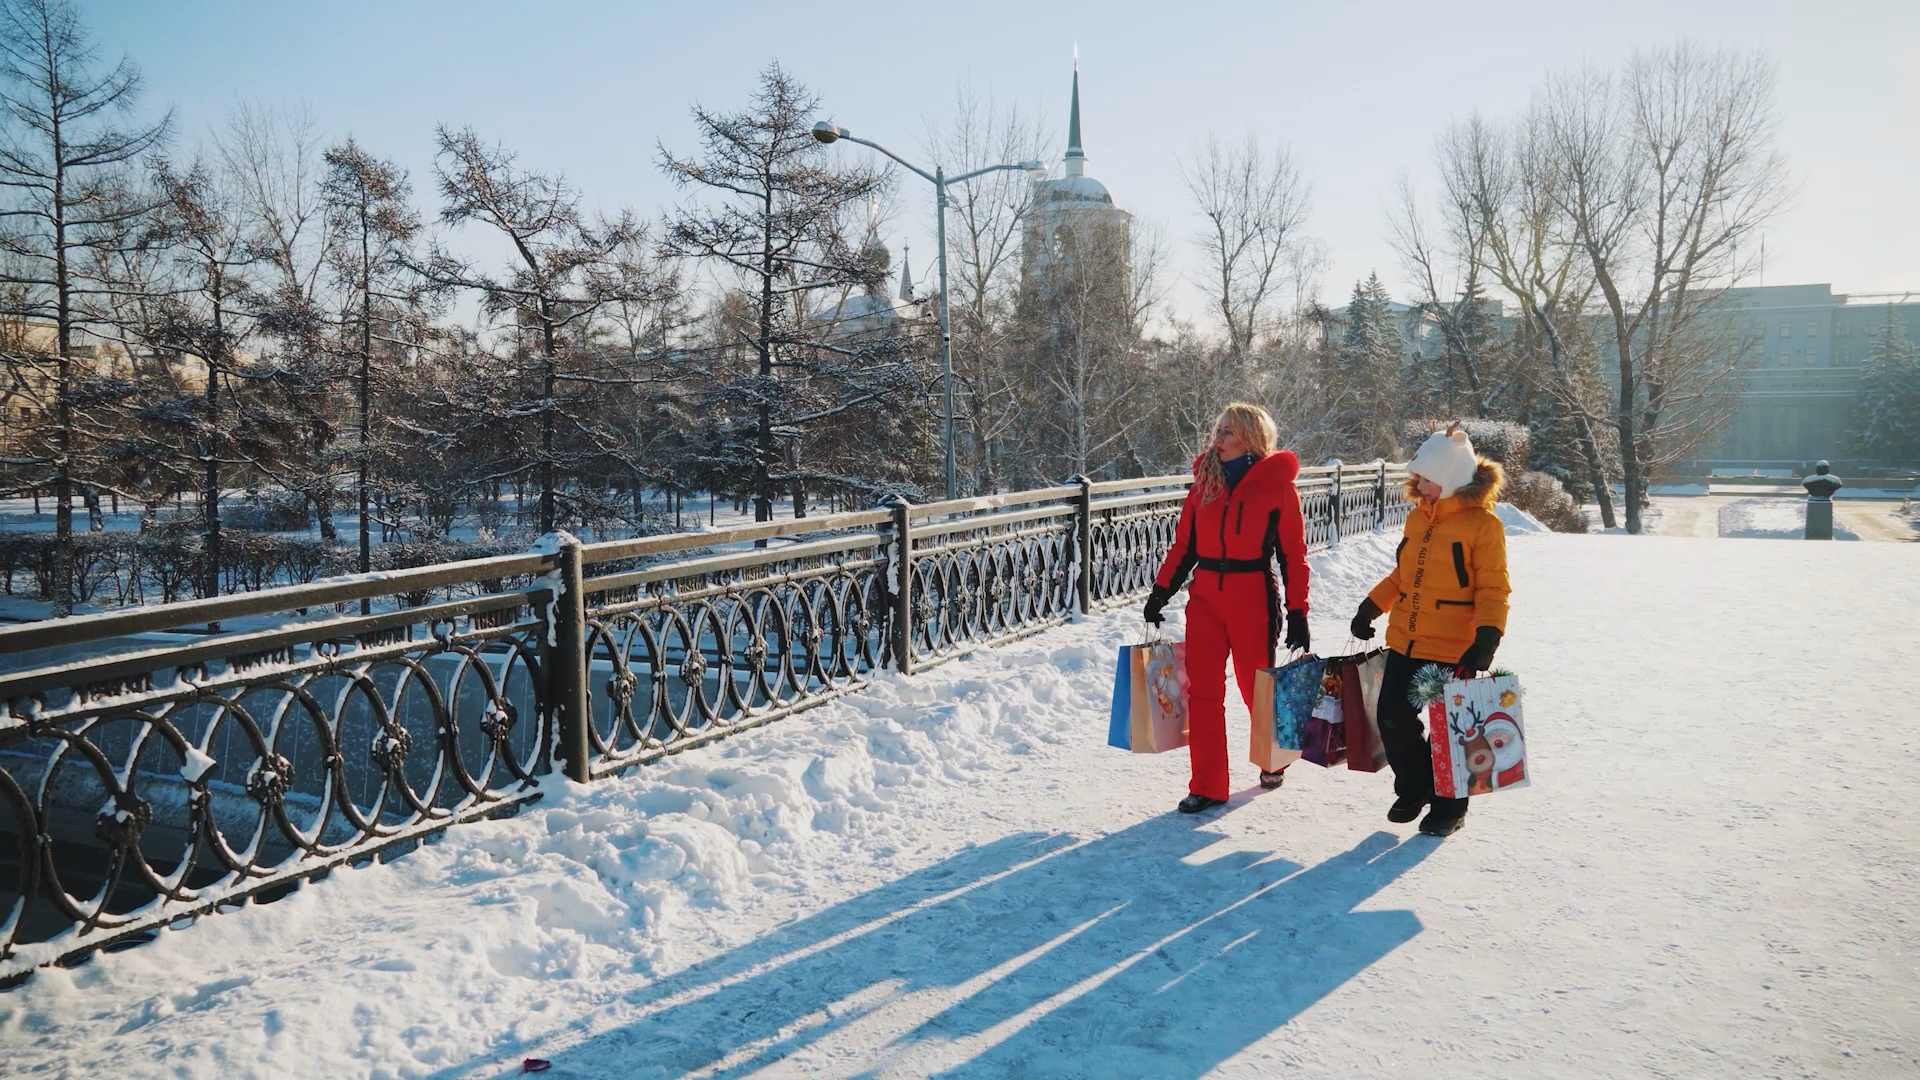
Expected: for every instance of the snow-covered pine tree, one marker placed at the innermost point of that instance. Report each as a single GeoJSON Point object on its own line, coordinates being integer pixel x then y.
{"type": "Point", "coordinates": [1369, 373]}
{"type": "Point", "coordinates": [1886, 419]}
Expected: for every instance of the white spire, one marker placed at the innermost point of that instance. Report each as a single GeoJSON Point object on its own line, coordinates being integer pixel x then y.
{"type": "Point", "coordinates": [1076, 160]}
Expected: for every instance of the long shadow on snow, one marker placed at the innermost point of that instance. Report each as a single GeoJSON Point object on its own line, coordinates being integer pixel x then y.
{"type": "Point", "coordinates": [1032, 956]}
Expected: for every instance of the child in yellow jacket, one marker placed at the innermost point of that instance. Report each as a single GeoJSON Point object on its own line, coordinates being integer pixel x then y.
{"type": "Point", "coordinates": [1447, 594]}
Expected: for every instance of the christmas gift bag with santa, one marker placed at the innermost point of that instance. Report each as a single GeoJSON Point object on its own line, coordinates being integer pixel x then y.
{"type": "Point", "coordinates": [1474, 727]}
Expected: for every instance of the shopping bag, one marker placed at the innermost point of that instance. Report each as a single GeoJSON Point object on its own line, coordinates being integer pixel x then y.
{"type": "Point", "coordinates": [1479, 746]}
{"type": "Point", "coordinates": [1150, 698]}
{"type": "Point", "coordinates": [1323, 738]}
{"type": "Point", "coordinates": [1360, 676]}
{"type": "Point", "coordinates": [1284, 699]}
{"type": "Point", "coordinates": [1263, 749]}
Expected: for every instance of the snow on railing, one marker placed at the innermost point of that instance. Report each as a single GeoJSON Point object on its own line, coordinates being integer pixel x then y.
{"type": "Point", "coordinates": [169, 761]}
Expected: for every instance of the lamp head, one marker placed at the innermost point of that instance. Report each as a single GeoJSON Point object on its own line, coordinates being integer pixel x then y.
{"type": "Point", "coordinates": [827, 133]}
{"type": "Point", "coordinates": [1034, 168]}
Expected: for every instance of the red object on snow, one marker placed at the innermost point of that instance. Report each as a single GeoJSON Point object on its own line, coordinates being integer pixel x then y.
{"type": "Point", "coordinates": [533, 1065]}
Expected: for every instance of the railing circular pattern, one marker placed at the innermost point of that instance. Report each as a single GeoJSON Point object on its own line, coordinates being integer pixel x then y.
{"type": "Point", "coordinates": [665, 671]}
{"type": "Point", "coordinates": [217, 784]}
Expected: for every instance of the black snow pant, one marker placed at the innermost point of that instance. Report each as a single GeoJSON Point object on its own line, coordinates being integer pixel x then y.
{"type": "Point", "coordinates": [1405, 736]}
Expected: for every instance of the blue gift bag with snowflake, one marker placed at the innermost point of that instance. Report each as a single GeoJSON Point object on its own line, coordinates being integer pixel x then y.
{"type": "Point", "coordinates": [1284, 700]}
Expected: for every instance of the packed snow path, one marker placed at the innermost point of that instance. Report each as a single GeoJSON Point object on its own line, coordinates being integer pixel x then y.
{"type": "Point", "coordinates": [1713, 874]}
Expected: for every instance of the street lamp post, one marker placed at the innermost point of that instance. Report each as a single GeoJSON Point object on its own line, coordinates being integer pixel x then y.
{"type": "Point", "coordinates": [828, 133]}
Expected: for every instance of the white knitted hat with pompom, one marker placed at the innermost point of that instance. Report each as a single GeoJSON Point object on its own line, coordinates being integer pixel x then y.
{"type": "Point", "coordinates": [1447, 459]}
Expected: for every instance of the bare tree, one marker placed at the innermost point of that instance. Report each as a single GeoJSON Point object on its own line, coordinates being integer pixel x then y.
{"type": "Point", "coordinates": [64, 163]}
{"type": "Point", "coordinates": [564, 272]}
{"type": "Point", "coordinates": [1664, 170]}
{"type": "Point", "coordinates": [372, 225]}
{"type": "Point", "coordinates": [1505, 181]}
{"type": "Point", "coordinates": [984, 220]}
{"type": "Point", "coordinates": [1081, 323]}
{"type": "Point", "coordinates": [271, 158]}
{"type": "Point", "coordinates": [206, 313]}
{"type": "Point", "coordinates": [1254, 203]}
{"type": "Point", "coordinates": [1444, 264]}
{"type": "Point", "coordinates": [777, 224]}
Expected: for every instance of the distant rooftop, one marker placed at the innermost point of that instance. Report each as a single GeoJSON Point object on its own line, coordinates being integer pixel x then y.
{"type": "Point", "coordinates": [1819, 295]}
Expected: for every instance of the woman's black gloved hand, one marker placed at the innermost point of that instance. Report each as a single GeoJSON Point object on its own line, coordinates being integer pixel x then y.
{"type": "Point", "coordinates": [1298, 636]}
{"type": "Point", "coordinates": [1479, 655]}
{"type": "Point", "coordinates": [1363, 622]}
{"type": "Point", "coordinates": [1156, 604]}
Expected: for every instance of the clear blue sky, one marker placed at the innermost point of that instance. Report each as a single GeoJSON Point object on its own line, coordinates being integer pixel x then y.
{"type": "Point", "coordinates": [1357, 90]}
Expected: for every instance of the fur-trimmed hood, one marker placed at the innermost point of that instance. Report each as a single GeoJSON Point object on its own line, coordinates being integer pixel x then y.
{"type": "Point", "coordinates": [1489, 480]}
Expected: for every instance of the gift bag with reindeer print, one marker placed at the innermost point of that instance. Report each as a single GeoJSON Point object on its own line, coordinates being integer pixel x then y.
{"type": "Point", "coordinates": [1479, 745]}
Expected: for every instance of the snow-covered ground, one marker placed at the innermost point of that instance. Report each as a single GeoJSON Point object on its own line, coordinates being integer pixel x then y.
{"type": "Point", "coordinates": [1775, 519]}
{"type": "Point", "coordinates": [1778, 517]}
{"type": "Point", "coordinates": [1712, 874]}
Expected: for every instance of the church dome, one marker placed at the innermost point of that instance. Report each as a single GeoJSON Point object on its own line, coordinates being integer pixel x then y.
{"type": "Point", "coordinates": [1073, 190]}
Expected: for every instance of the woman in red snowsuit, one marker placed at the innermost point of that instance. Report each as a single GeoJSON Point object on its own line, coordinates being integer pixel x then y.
{"type": "Point", "coordinates": [1241, 513]}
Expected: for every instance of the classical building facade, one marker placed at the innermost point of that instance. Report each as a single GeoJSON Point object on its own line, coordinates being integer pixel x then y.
{"type": "Point", "coordinates": [1804, 347]}
{"type": "Point", "coordinates": [1801, 348]}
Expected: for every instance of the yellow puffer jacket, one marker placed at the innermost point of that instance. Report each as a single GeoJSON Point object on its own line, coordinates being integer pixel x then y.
{"type": "Point", "coordinates": [1450, 574]}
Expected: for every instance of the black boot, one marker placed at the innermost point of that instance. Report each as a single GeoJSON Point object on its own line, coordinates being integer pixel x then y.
{"type": "Point", "coordinates": [1443, 821]}
{"type": "Point", "coordinates": [1406, 808]}
{"type": "Point", "coordinates": [1271, 780]}
{"type": "Point", "coordinates": [1193, 804]}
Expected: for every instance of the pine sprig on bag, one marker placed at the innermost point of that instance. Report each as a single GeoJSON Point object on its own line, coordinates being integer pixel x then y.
{"type": "Point", "coordinates": [1428, 685]}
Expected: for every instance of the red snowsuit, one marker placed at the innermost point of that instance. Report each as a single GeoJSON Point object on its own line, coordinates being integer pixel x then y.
{"type": "Point", "coordinates": [1233, 605]}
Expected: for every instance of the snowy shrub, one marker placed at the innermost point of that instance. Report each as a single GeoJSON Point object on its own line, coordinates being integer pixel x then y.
{"type": "Point", "coordinates": [1502, 440]}
{"type": "Point", "coordinates": [428, 551]}
{"type": "Point", "coordinates": [167, 562]}
{"type": "Point", "coordinates": [18, 554]}
{"type": "Point", "coordinates": [269, 511]}
{"type": "Point", "coordinates": [250, 561]}
{"type": "Point", "coordinates": [170, 560]}
{"type": "Point", "coordinates": [1542, 496]}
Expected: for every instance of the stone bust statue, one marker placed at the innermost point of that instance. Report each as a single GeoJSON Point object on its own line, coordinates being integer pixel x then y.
{"type": "Point", "coordinates": [1822, 484]}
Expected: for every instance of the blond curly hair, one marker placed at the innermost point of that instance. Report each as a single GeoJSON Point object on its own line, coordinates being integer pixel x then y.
{"type": "Point", "coordinates": [1258, 433]}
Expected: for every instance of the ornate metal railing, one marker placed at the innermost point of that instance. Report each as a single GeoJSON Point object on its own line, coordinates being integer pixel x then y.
{"type": "Point", "coordinates": [683, 652]}
{"type": "Point", "coordinates": [153, 769]}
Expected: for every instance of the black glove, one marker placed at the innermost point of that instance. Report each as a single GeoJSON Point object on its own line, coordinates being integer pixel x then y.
{"type": "Point", "coordinates": [1156, 603]}
{"type": "Point", "coordinates": [1363, 621]}
{"type": "Point", "coordinates": [1298, 637]}
{"type": "Point", "coordinates": [1479, 655]}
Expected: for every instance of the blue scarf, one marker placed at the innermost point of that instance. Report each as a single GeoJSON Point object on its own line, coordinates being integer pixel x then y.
{"type": "Point", "coordinates": [1236, 469]}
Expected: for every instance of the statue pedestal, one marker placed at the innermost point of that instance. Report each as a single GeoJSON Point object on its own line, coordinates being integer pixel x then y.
{"type": "Point", "coordinates": [1819, 519]}
{"type": "Point", "coordinates": [1820, 488]}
